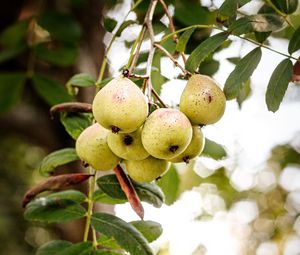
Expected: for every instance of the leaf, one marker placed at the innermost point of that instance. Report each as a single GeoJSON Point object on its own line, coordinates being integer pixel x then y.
{"type": "Point", "coordinates": [278, 84]}
{"type": "Point", "coordinates": [126, 235]}
{"type": "Point", "coordinates": [55, 159]}
{"type": "Point", "coordinates": [286, 6]}
{"type": "Point", "coordinates": [50, 90]}
{"type": "Point", "coordinates": [241, 73]}
{"type": "Point", "coordinates": [105, 252]}
{"type": "Point", "coordinates": [55, 183]}
{"type": "Point", "coordinates": [53, 247]}
{"type": "Point", "coordinates": [157, 79]}
{"type": "Point", "coordinates": [203, 50]}
{"type": "Point", "coordinates": [61, 26]}
{"type": "Point", "coordinates": [9, 53]}
{"type": "Point", "coordinates": [15, 34]}
{"type": "Point", "coordinates": [147, 192]}
{"type": "Point", "coordinates": [228, 8]}
{"type": "Point", "coordinates": [70, 194]}
{"type": "Point", "coordinates": [213, 150]}
{"type": "Point", "coordinates": [151, 230]}
{"type": "Point", "coordinates": [128, 189]}
{"type": "Point", "coordinates": [265, 22]}
{"type": "Point", "coordinates": [52, 210]}
{"type": "Point", "coordinates": [11, 87]}
{"type": "Point", "coordinates": [183, 39]}
{"type": "Point", "coordinates": [82, 80]}
{"type": "Point", "coordinates": [84, 248]}
{"type": "Point", "coordinates": [262, 36]}
{"type": "Point", "coordinates": [109, 24]}
{"type": "Point", "coordinates": [108, 242]}
{"type": "Point", "coordinates": [244, 93]}
{"type": "Point", "coordinates": [124, 25]}
{"type": "Point", "coordinates": [76, 123]}
{"type": "Point", "coordinates": [102, 197]}
{"type": "Point", "coordinates": [294, 43]}
{"type": "Point", "coordinates": [209, 67]}
{"type": "Point", "coordinates": [169, 183]}
{"type": "Point", "coordinates": [59, 55]}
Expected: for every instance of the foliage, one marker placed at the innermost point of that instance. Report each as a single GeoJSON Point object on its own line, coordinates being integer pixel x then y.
{"type": "Point", "coordinates": [195, 32]}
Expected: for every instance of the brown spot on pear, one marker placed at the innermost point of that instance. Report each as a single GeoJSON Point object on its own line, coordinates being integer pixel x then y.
{"type": "Point", "coordinates": [202, 100]}
{"type": "Point", "coordinates": [91, 147]}
{"type": "Point", "coordinates": [146, 170]}
{"type": "Point", "coordinates": [127, 145]}
{"type": "Point", "coordinates": [194, 149]}
{"type": "Point", "coordinates": [166, 133]}
{"type": "Point", "coordinates": [120, 106]}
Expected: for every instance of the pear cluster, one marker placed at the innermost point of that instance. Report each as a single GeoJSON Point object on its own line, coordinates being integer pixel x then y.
{"type": "Point", "coordinates": [145, 143]}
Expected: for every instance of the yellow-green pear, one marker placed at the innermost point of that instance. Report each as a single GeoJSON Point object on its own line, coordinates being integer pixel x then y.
{"type": "Point", "coordinates": [127, 145]}
{"type": "Point", "coordinates": [91, 147]}
{"type": "Point", "coordinates": [120, 106]}
{"type": "Point", "coordinates": [202, 100]}
{"type": "Point", "coordinates": [166, 133]}
{"type": "Point", "coordinates": [146, 170]}
{"type": "Point", "coordinates": [194, 149]}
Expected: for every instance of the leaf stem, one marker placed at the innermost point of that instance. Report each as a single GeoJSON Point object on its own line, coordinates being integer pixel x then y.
{"type": "Point", "coordinates": [91, 188]}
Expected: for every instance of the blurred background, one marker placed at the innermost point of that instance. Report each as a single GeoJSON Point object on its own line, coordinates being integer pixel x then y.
{"type": "Point", "coordinates": [241, 197]}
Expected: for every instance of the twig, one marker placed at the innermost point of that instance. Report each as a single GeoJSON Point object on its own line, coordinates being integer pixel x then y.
{"type": "Point", "coordinates": [172, 27]}
{"type": "Point", "coordinates": [161, 48]}
{"type": "Point", "coordinates": [70, 107]}
{"type": "Point", "coordinates": [148, 23]}
{"type": "Point", "coordinates": [137, 45]}
{"type": "Point", "coordinates": [158, 98]}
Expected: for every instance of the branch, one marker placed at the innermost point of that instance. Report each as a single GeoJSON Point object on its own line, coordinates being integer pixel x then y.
{"type": "Point", "coordinates": [185, 72]}
{"type": "Point", "coordinates": [158, 98]}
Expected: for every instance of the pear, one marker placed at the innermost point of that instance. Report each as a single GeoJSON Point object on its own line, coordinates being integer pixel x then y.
{"type": "Point", "coordinates": [91, 147]}
{"type": "Point", "coordinates": [120, 106]}
{"type": "Point", "coordinates": [127, 145]}
{"type": "Point", "coordinates": [194, 149]}
{"type": "Point", "coordinates": [202, 100]}
{"type": "Point", "coordinates": [146, 170]}
{"type": "Point", "coordinates": [166, 133]}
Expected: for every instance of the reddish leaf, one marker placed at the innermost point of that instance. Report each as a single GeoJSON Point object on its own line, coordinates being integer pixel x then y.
{"type": "Point", "coordinates": [296, 72]}
{"type": "Point", "coordinates": [129, 191]}
{"type": "Point", "coordinates": [70, 107]}
{"type": "Point", "coordinates": [55, 183]}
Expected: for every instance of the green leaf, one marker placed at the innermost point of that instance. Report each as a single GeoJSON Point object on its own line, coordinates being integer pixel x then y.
{"type": "Point", "coordinates": [108, 242]}
{"type": "Point", "coordinates": [278, 84]}
{"type": "Point", "coordinates": [203, 50]}
{"type": "Point", "coordinates": [82, 80]}
{"type": "Point", "coordinates": [151, 230]}
{"type": "Point", "coordinates": [50, 90]}
{"type": "Point", "coordinates": [84, 248]}
{"type": "Point", "coordinates": [183, 39]}
{"type": "Point", "coordinates": [228, 8]}
{"type": "Point", "coordinates": [15, 34]}
{"type": "Point", "coordinates": [241, 73]}
{"type": "Point", "coordinates": [73, 195]}
{"type": "Point", "coordinates": [294, 43]}
{"type": "Point", "coordinates": [234, 60]}
{"type": "Point", "coordinates": [286, 6]}
{"type": "Point", "coordinates": [126, 235]}
{"type": "Point", "coordinates": [157, 79]}
{"type": "Point", "coordinates": [147, 192]}
{"type": "Point", "coordinates": [213, 150]}
{"type": "Point", "coordinates": [169, 183]}
{"type": "Point", "coordinates": [52, 210]}
{"type": "Point", "coordinates": [109, 24]}
{"type": "Point", "coordinates": [53, 247]}
{"type": "Point", "coordinates": [105, 252]}
{"type": "Point", "coordinates": [62, 27]}
{"type": "Point", "coordinates": [265, 22]}
{"type": "Point", "coordinates": [76, 123]}
{"type": "Point", "coordinates": [244, 93]}
{"type": "Point", "coordinates": [102, 197]}
{"type": "Point", "coordinates": [55, 159]}
{"type": "Point", "coordinates": [9, 53]}
{"type": "Point", "coordinates": [11, 87]}
{"type": "Point", "coordinates": [61, 55]}
{"type": "Point", "coordinates": [262, 36]}
{"type": "Point", "coordinates": [124, 25]}
{"type": "Point", "coordinates": [209, 67]}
